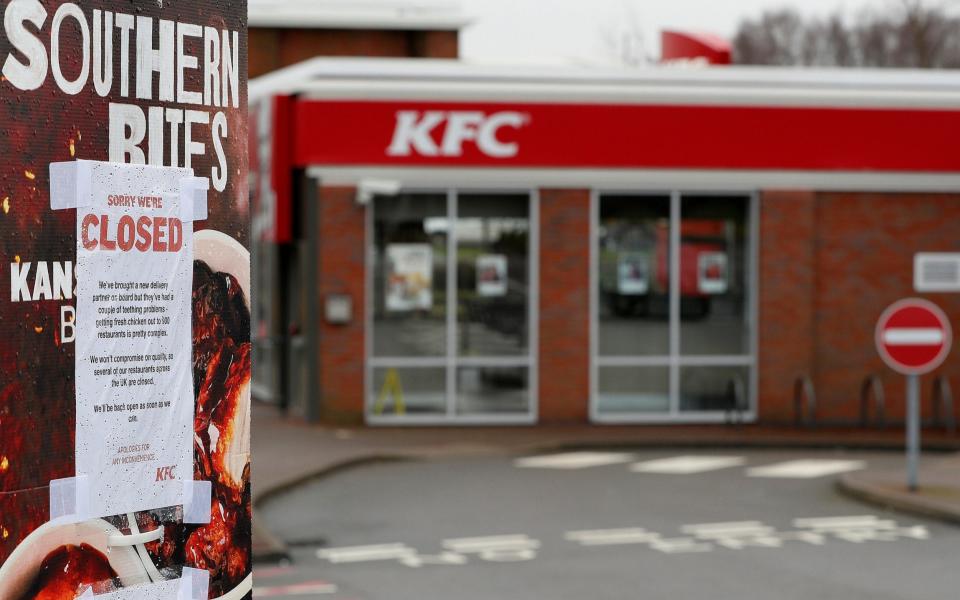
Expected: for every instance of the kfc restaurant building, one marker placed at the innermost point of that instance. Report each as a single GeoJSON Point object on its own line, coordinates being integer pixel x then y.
{"type": "Point", "coordinates": [454, 244]}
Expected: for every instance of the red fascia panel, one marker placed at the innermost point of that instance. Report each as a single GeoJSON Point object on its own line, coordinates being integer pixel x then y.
{"type": "Point", "coordinates": [359, 133]}
{"type": "Point", "coordinates": [281, 172]}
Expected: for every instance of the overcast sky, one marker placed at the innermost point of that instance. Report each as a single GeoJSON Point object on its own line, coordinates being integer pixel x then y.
{"type": "Point", "coordinates": [572, 31]}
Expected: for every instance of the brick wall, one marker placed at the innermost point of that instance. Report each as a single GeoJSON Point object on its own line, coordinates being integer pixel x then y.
{"type": "Point", "coordinates": [341, 266]}
{"type": "Point", "coordinates": [787, 291]}
{"type": "Point", "coordinates": [564, 306]}
{"type": "Point", "coordinates": [272, 49]}
{"type": "Point", "coordinates": [821, 320]}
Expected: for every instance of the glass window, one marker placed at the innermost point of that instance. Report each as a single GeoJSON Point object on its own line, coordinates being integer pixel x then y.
{"type": "Point", "coordinates": [710, 389]}
{"type": "Point", "coordinates": [493, 390]}
{"type": "Point", "coordinates": [410, 275]}
{"type": "Point", "coordinates": [634, 276]}
{"type": "Point", "coordinates": [408, 391]}
{"type": "Point", "coordinates": [673, 305]}
{"type": "Point", "coordinates": [714, 276]}
{"type": "Point", "coordinates": [493, 289]}
{"type": "Point", "coordinates": [625, 390]}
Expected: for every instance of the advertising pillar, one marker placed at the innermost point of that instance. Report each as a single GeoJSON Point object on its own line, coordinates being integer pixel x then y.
{"type": "Point", "coordinates": [124, 300]}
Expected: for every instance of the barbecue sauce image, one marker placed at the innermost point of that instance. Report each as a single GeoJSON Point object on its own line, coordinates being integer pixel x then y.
{"type": "Point", "coordinates": [67, 570]}
{"type": "Point", "coordinates": [221, 370]}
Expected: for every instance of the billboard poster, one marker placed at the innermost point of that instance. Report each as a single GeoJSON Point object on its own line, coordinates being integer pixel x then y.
{"type": "Point", "coordinates": [409, 277]}
{"type": "Point", "coordinates": [492, 275]}
{"type": "Point", "coordinates": [163, 85]}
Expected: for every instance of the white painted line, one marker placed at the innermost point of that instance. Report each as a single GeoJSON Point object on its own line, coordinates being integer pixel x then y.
{"type": "Point", "coordinates": [612, 537]}
{"type": "Point", "coordinates": [913, 336]}
{"type": "Point", "coordinates": [679, 546]}
{"type": "Point", "coordinates": [721, 529]}
{"type": "Point", "coordinates": [366, 553]}
{"type": "Point", "coordinates": [494, 542]}
{"type": "Point", "coordinates": [852, 521]}
{"type": "Point", "coordinates": [296, 589]}
{"type": "Point", "coordinates": [688, 465]}
{"type": "Point", "coordinates": [574, 460]}
{"type": "Point", "coordinates": [806, 469]}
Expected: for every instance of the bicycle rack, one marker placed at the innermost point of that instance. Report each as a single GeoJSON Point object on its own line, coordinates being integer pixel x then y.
{"type": "Point", "coordinates": [873, 386]}
{"type": "Point", "coordinates": [943, 411]}
{"type": "Point", "coordinates": [804, 402]}
{"type": "Point", "coordinates": [737, 392]}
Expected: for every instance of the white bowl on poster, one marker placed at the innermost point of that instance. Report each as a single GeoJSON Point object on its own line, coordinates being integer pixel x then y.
{"type": "Point", "coordinates": [20, 570]}
{"type": "Point", "coordinates": [224, 254]}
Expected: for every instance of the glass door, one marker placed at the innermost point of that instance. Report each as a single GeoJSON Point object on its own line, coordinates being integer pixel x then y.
{"type": "Point", "coordinates": [452, 288]}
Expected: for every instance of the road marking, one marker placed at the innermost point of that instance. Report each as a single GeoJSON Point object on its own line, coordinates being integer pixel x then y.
{"type": "Point", "coordinates": [296, 589]}
{"type": "Point", "coordinates": [863, 528]}
{"type": "Point", "coordinates": [275, 571]}
{"type": "Point", "coordinates": [840, 522]}
{"type": "Point", "coordinates": [497, 548]}
{"type": "Point", "coordinates": [688, 465]}
{"type": "Point", "coordinates": [731, 528]}
{"type": "Point", "coordinates": [573, 460]}
{"type": "Point", "coordinates": [806, 469]}
{"type": "Point", "coordinates": [612, 537]}
{"type": "Point", "coordinates": [736, 535]}
{"type": "Point", "coordinates": [365, 553]}
{"type": "Point", "coordinates": [697, 538]}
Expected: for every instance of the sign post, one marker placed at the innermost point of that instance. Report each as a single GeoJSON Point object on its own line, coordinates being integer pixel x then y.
{"type": "Point", "coordinates": [913, 337]}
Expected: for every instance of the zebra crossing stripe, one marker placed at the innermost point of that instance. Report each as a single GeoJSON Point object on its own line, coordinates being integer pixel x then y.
{"type": "Point", "coordinates": [573, 460]}
{"type": "Point", "coordinates": [806, 469]}
{"type": "Point", "coordinates": [687, 465]}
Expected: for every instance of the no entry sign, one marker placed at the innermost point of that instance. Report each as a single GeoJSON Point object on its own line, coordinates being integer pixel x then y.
{"type": "Point", "coordinates": [913, 336]}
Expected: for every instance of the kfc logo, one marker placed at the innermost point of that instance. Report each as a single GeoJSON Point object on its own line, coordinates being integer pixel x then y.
{"type": "Point", "coordinates": [415, 133]}
{"type": "Point", "coordinates": [166, 474]}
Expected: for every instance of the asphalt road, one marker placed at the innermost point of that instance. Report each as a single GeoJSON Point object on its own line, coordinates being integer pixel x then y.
{"type": "Point", "coordinates": [718, 525]}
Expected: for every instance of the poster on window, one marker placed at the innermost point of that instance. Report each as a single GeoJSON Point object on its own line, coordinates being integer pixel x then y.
{"type": "Point", "coordinates": [491, 275]}
{"type": "Point", "coordinates": [146, 83]}
{"type": "Point", "coordinates": [633, 277]}
{"type": "Point", "coordinates": [409, 277]}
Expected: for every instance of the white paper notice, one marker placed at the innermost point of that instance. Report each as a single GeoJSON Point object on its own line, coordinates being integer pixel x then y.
{"type": "Point", "coordinates": [492, 275]}
{"type": "Point", "coordinates": [134, 437]}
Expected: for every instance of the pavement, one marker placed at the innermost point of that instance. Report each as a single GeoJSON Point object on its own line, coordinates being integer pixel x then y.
{"type": "Point", "coordinates": [287, 453]}
{"type": "Point", "coordinates": [938, 496]}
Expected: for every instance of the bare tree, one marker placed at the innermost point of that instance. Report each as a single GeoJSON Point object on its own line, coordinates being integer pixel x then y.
{"type": "Point", "coordinates": [914, 34]}
{"type": "Point", "coordinates": [623, 40]}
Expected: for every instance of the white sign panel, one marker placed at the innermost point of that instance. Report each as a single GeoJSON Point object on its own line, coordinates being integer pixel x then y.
{"type": "Point", "coordinates": [712, 273]}
{"type": "Point", "coordinates": [633, 277]}
{"type": "Point", "coordinates": [491, 275]}
{"type": "Point", "coordinates": [409, 277]}
{"type": "Point", "coordinates": [936, 272]}
{"type": "Point", "coordinates": [134, 378]}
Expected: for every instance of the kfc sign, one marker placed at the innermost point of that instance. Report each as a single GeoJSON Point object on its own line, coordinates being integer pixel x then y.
{"type": "Point", "coordinates": [445, 133]}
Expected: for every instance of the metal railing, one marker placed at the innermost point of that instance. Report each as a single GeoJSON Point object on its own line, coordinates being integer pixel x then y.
{"type": "Point", "coordinates": [804, 402]}
{"type": "Point", "coordinates": [872, 387]}
{"type": "Point", "coordinates": [737, 394]}
{"type": "Point", "coordinates": [943, 410]}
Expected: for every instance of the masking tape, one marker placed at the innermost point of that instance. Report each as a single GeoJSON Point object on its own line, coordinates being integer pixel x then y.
{"type": "Point", "coordinates": [197, 496]}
